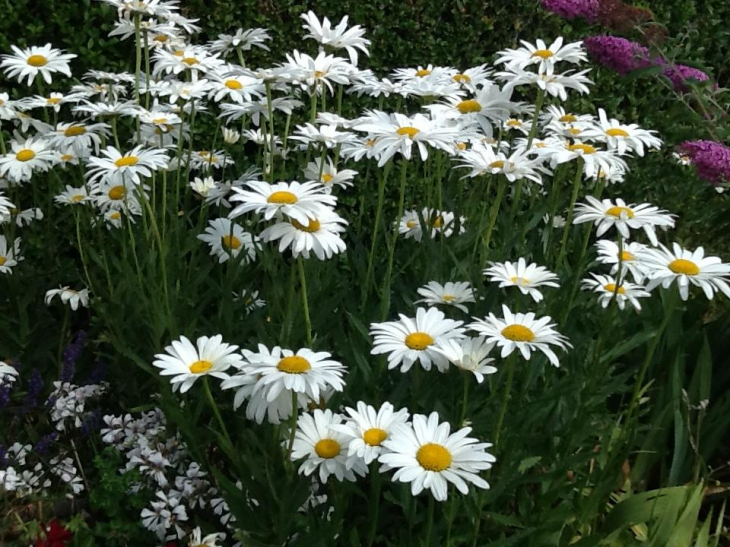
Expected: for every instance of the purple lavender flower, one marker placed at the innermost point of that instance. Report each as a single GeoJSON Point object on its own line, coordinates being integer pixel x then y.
{"type": "Point", "coordinates": [35, 385]}
{"type": "Point", "coordinates": [678, 74]}
{"type": "Point", "coordinates": [5, 395]}
{"type": "Point", "coordinates": [712, 159]}
{"type": "Point", "coordinates": [571, 9]}
{"type": "Point", "coordinates": [71, 354]}
{"type": "Point", "coordinates": [620, 54]}
{"type": "Point", "coordinates": [90, 424]}
{"type": "Point", "coordinates": [45, 442]}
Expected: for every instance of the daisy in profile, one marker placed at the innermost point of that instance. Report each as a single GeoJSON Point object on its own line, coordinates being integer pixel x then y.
{"type": "Point", "coordinates": [203, 186]}
{"type": "Point", "coordinates": [325, 449]}
{"type": "Point", "coordinates": [487, 106]}
{"type": "Point", "coordinates": [196, 539]}
{"type": "Point", "coordinates": [526, 277]}
{"type": "Point", "coordinates": [195, 61]}
{"type": "Point", "coordinates": [26, 158]}
{"type": "Point", "coordinates": [324, 135]}
{"type": "Point", "coordinates": [542, 55]}
{"type": "Point", "coordinates": [8, 374]}
{"type": "Point", "coordinates": [282, 370]}
{"type": "Point", "coordinates": [629, 256]}
{"type": "Point", "coordinates": [117, 168]}
{"type": "Point", "coordinates": [483, 159]}
{"type": "Point", "coordinates": [241, 39]}
{"type": "Point", "coordinates": [451, 294]}
{"type": "Point", "coordinates": [605, 214]}
{"type": "Point", "coordinates": [429, 456]}
{"type": "Point", "coordinates": [339, 37]}
{"type": "Point", "coordinates": [522, 332]}
{"type": "Point", "coordinates": [367, 428]}
{"type": "Point", "coordinates": [594, 159]}
{"type": "Point", "coordinates": [23, 218]}
{"type": "Point", "coordinates": [69, 296]}
{"type": "Point", "coordinates": [320, 235]}
{"type": "Point", "coordinates": [414, 339]}
{"type": "Point", "coordinates": [5, 205]}
{"type": "Point", "coordinates": [441, 222]}
{"type": "Point", "coordinates": [317, 74]}
{"type": "Point", "coordinates": [119, 197]}
{"type": "Point", "coordinates": [469, 355]}
{"type": "Point", "coordinates": [9, 256]}
{"type": "Point", "coordinates": [79, 137]}
{"type": "Point", "coordinates": [330, 175]}
{"type": "Point", "coordinates": [624, 138]}
{"type": "Point", "coordinates": [410, 226]}
{"type": "Point", "coordinates": [300, 202]}
{"type": "Point", "coordinates": [186, 362]}
{"type": "Point", "coordinates": [606, 288]}
{"type": "Point", "coordinates": [227, 240]}
{"type": "Point", "coordinates": [555, 85]}
{"type": "Point", "coordinates": [664, 267]}
{"type": "Point", "coordinates": [30, 62]}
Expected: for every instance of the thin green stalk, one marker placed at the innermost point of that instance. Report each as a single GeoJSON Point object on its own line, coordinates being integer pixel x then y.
{"type": "Point", "coordinates": [305, 302]}
{"type": "Point", "coordinates": [214, 407]}
{"type": "Point", "coordinates": [81, 250]}
{"type": "Point", "coordinates": [271, 131]}
{"type": "Point", "coordinates": [573, 198]}
{"type": "Point", "coordinates": [287, 321]}
{"type": "Point", "coordinates": [505, 399]}
{"type": "Point", "coordinates": [374, 503]}
{"type": "Point", "coordinates": [382, 177]}
{"type": "Point", "coordinates": [619, 272]}
{"type": "Point", "coordinates": [385, 298]}
{"type": "Point", "coordinates": [493, 214]}
{"type": "Point", "coordinates": [538, 109]}
{"type": "Point", "coordinates": [292, 424]}
{"type": "Point", "coordinates": [465, 397]}
{"type": "Point", "coordinates": [429, 521]}
{"type": "Point", "coordinates": [147, 69]}
{"type": "Point", "coordinates": [137, 68]}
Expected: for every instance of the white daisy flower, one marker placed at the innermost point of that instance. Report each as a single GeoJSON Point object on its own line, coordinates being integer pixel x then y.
{"type": "Point", "coordinates": [542, 55]}
{"type": "Point", "coordinates": [630, 257]}
{"type": "Point", "coordinates": [327, 135]}
{"type": "Point", "coordinates": [23, 218]}
{"type": "Point", "coordinates": [521, 331]}
{"type": "Point", "coordinates": [330, 175]}
{"type": "Point", "coordinates": [525, 277]}
{"type": "Point", "coordinates": [624, 138]}
{"type": "Point", "coordinates": [605, 286]}
{"type": "Point", "coordinates": [320, 235]}
{"type": "Point", "coordinates": [281, 370]}
{"type": "Point", "coordinates": [470, 355]}
{"type": "Point", "coordinates": [326, 449]}
{"type": "Point", "coordinates": [30, 62]}
{"type": "Point", "coordinates": [118, 197]}
{"type": "Point", "coordinates": [555, 85]}
{"type": "Point", "coordinates": [339, 37]}
{"type": "Point", "coordinates": [241, 39]}
{"type": "Point", "coordinates": [193, 60]}
{"type": "Point", "coordinates": [238, 87]}
{"type": "Point", "coordinates": [230, 136]}
{"type": "Point", "coordinates": [663, 267]}
{"type": "Point", "coordinates": [483, 159]}
{"type": "Point", "coordinates": [250, 299]}
{"type": "Point", "coordinates": [5, 206]}
{"type": "Point", "coordinates": [106, 109]}
{"type": "Point", "coordinates": [211, 540]}
{"type": "Point", "coordinates": [227, 240]}
{"type": "Point", "coordinates": [186, 363]}
{"type": "Point", "coordinates": [316, 74]}
{"type": "Point", "coordinates": [410, 226]}
{"type": "Point", "coordinates": [69, 296]}
{"type": "Point", "coordinates": [451, 294]}
{"type": "Point", "coordinates": [409, 340]}
{"type": "Point", "coordinates": [9, 256]}
{"type": "Point", "coordinates": [605, 214]}
{"type": "Point", "coordinates": [25, 158]}
{"type": "Point", "coordinates": [275, 411]}
{"type": "Point", "coordinates": [206, 160]}
{"type": "Point", "coordinates": [300, 202]}
{"type": "Point", "coordinates": [595, 161]}
{"type": "Point", "coordinates": [78, 137]}
{"type": "Point", "coordinates": [116, 168]}
{"type": "Point", "coordinates": [8, 375]}
{"type": "Point", "coordinates": [428, 456]}
{"type": "Point", "coordinates": [367, 428]}
{"type": "Point", "coordinates": [202, 187]}
{"type": "Point", "coordinates": [113, 218]}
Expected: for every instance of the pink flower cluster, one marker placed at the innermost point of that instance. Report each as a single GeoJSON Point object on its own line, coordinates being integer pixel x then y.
{"type": "Point", "coordinates": [712, 159]}
{"type": "Point", "coordinates": [619, 54]}
{"type": "Point", "coordinates": [678, 74]}
{"type": "Point", "coordinates": [571, 9]}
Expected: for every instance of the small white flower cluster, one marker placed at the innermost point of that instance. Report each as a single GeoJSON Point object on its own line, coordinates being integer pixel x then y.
{"type": "Point", "coordinates": [68, 403]}
{"type": "Point", "coordinates": [26, 477]}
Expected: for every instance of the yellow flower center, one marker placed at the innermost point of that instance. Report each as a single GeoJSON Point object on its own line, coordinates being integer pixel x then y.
{"type": "Point", "coordinates": [374, 436]}
{"type": "Point", "coordinates": [37, 60]}
{"type": "Point", "coordinates": [74, 131]}
{"type": "Point", "coordinates": [77, 198]}
{"type": "Point", "coordinates": [434, 457]}
{"type": "Point", "coordinates": [469, 106]}
{"type": "Point", "coordinates": [3, 260]}
{"type": "Point", "coordinates": [53, 100]}
{"type": "Point", "coordinates": [518, 333]}
{"type": "Point", "coordinates": [617, 211]}
{"type": "Point", "coordinates": [178, 53]}
{"type": "Point", "coordinates": [116, 215]}
{"type": "Point", "coordinates": [199, 367]}
{"type": "Point", "coordinates": [67, 157]}
{"type": "Point", "coordinates": [499, 164]}
{"type": "Point", "coordinates": [520, 281]}
{"type": "Point", "coordinates": [543, 53]}
{"type": "Point", "coordinates": [370, 142]}
{"type": "Point", "coordinates": [568, 118]}
{"type": "Point", "coordinates": [327, 448]}
{"type": "Point", "coordinates": [190, 61]}
{"type": "Point", "coordinates": [412, 224]}
{"type": "Point", "coordinates": [683, 266]}
{"type": "Point", "coordinates": [327, 178]}
{"type": "Point", "coordinates": [462, 79]}
{"type": "Point", "coordinates": [320, 73]}
{"type": "Point", "coordinates": [514, 123]}
{"type": "Point", "coordinates": [626, 256]}
{"type": "Point", "coordinates": [611, 287]}
{"type": "Point", "coordinates": [409, 131]}
{"type": "Point", "coordinates": [26, 154]}
{"type": "Point", "coordinates": [231, 242]}
{"type": "Point", "coordinates": [313, 225]}
{"type": "Point", "coordinates": [282, 197]}
{"type": "Point", "coordinates": [117, 193]}
{"type": "Point", "coordinates": [126, 161]}
{"type": "Point", "coordinates": [616, 132]}
{"type": "Point", "coordinates": [585, 148]}
{"type": "Point", "coordinates": [574, 131]}
{"type": "Point", "coordinates": [294, 365]}
{"type": "Point", "coordinates": [438, 222]}
{"type": "Point", "coordinates": [461, 145]}
{"type": "Point", "coordinates": [448, 298]}
{"type": "Point", "coordinates": [234, 84]}
{"type": "Point", "coordinates": [418, 340]}
{"type": "Point", "coordinates": [423, 72]}
{"type": "Point", "coordinates": [160, 120]}
{"type": "Point", "coordinates": [160, 38]}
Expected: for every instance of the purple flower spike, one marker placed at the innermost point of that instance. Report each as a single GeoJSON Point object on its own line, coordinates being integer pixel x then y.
{"type": "Point", "coordinates": [571, 9]}
{"type": "Point", "coordinates": [678, 74]}
{"type": "Point", "coordinates": [712, 159]}
{"type": "Point", "coordinates": [619, 54]}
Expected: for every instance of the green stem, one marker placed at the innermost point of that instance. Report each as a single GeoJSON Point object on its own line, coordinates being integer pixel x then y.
{"type": "Point", "coordinates": [214, 407]}
{"type": "Point", "coordinates": [505, 399]}
{"type": "Point", "coordinates": [382, 177]}
{"type": "Point", "coordinates": [147, 69]}
{"type": "Point", "coordinates": [81, 251]}
{"type": "Point", "coordinates": [493, 214]}
{"type": "Point", "coordinates": [137, 67]}
{"type": "Point", "coordinates": [569, 220]}
{"type": "Point", "coordinates": [374, 506]}
{"type": "Point", "coordinates": [271, 131]}
{"type": "Point", "coordinates": [286, 324]}
{"type": "Point", "coordinates": [538, 109]}
{"type": "Point", "coordinates": [293, 424]}
{"type": "Point", "coordinates": [385, 298]}
{"type": "Point", "coordinates": [465, 398]}
{"type": "Point", "coordinates": [305, 303]}
{"type": "Point", "coordinates": [429, 521]}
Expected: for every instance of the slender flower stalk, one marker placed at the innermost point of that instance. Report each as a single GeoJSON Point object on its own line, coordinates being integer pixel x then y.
{"type": "Point", "coordinates": [385, 295]}
{"type": "Point", "coordinates": [569, 220]}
